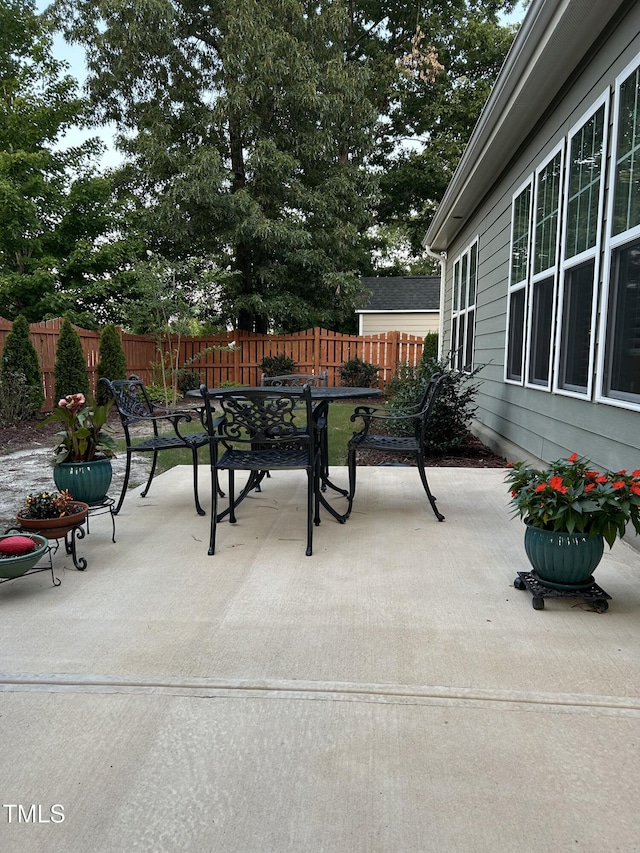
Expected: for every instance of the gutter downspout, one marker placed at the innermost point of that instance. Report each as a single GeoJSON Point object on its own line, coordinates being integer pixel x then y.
{"type": "Point", "coordinates": [442, 260]}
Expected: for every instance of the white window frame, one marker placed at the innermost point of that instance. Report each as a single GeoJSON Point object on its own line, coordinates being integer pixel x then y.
{"type": "Point", "coordinates": [460, 314]}
{"type": "Point", "coordinates": [591, 254]}
{"type": "Point", "coordinates": [536, 278]}
{"type": "Point", "coordinates": [612, 243]}
{"type": "Point", "coordinates": [515, 286]}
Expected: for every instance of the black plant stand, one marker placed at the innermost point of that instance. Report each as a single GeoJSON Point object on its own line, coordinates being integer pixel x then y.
{"type": "Point", "coordinates": [36, 570]}
{"type": "Point", "coordinates": [589, 592]}
{"type": "Point", "coordinates": [107, 505]}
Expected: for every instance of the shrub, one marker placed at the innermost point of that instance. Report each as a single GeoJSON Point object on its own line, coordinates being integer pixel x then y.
{"type": "Point", "coordinates": [453, 410]}
{"type": "Point", "coordinates": [70, 368]}
{"type": "Point", "coordinates": [358, 373]}
{"type": "Point", "coordinates": [18, 400]}
{"type": "Point", "coordinates": [20, 372]}
{"type": "Point", "coordinates": [188, 380]}
{"type": "Point", "coordinates": [278, 365]}
{"type": "Point", "coordinates": [429, 349]}
{"type": "Point", "coordinates": [112, 362]}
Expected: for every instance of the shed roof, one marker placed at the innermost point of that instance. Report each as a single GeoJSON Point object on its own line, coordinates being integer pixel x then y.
{"type": "Point", "coordinates": [401, 293]}
{"type": "Point", "coordinates": [554, 37]}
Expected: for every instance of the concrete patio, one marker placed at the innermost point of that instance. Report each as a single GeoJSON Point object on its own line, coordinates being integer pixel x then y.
{"type": "Point", "coordinates": [394, 692]}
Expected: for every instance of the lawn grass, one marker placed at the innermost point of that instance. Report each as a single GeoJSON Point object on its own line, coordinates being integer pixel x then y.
{"type": "Point", "coordinates": [340, 431]}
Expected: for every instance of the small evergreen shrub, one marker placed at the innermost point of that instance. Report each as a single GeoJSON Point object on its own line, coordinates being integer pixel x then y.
{"type": "Point", "coordinates": [20, 373]}
{"type": "Point", "coordinates": [429, 349]}
{"type": "Point", "coordinates": [453, 410]}
{"type": "Point", "coordinates": [358, 373]}
{"type": "Point", "coordinates": [188, 380]}
{"type": "Point", "coordinates": [112, 362]}
{"type": "Point", "coordinates": [70, 367]}
{"type": "Point", "coordinates": [278, 365]}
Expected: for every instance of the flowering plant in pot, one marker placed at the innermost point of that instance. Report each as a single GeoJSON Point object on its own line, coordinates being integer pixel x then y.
{"type": "Point", "coordinates": [51, 514]}
{"type": "Point", "coordinates": [82, 456]}
{"type": "Point", "coordinates": [569, 503]}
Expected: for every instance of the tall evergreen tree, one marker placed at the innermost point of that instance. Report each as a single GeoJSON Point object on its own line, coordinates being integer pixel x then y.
{"type": "Point", "coordinates": [71, 366]}
{"type": "Point", "coordinates": [20, 368]}
{"type": "Point", "coordinates": [112, 361]}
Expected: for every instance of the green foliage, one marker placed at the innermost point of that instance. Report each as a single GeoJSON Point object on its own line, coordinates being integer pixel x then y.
{"type": "Point", "coordinates": [82, 437]}
{"type": "Point", "coordinates": [188, 380]}
{"type": "Point", "coordinates": [112, 360]}
{"type": "Point", "coordinates": [429, 350]}
{"type": "Point", "coordinates": [570, 495]}
{"type": "Point", "coordinates": [453, 409]}
{"type": "Point", "coordinates": [20, 373]}
{"type": "Point", "coordinates": [358, 373]}
{"type": "Point", "coordinates": [278, 365]}
{"type": "Point", "coordinates": [70, 368]}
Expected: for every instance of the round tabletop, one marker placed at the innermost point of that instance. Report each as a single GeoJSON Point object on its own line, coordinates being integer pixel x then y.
{"type": "Point", "coordinates": [318, 392]}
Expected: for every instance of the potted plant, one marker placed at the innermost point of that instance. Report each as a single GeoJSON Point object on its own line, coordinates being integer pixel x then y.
{"type": "Point", "coordinates": [19, 554]}
{"type": "Point", "coordinates": [82, 457]}
{"type": "Point", "coordinates": [51, 514]}
{"type": "Point", "coordinates": [570, 509]}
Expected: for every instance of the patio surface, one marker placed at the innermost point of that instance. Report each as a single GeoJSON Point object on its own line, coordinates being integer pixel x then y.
{"type": "Point", "coordinates": [392, 693]}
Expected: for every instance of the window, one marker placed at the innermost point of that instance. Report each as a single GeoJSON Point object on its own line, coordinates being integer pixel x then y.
{"type": "Point", "coordinates": [620, 315]}
{"type": "Point", "coordinates": [465, 275]}
{"type": "Point", "coordinates": [545, 250]}
{"type": "Point", "coordinates": [520, 241]}
{"type": "Point", "coordinates": [579, 272]}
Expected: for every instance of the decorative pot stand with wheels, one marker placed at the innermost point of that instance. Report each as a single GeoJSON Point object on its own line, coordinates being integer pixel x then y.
{"type": "Point", "coordinates": [589, 592]}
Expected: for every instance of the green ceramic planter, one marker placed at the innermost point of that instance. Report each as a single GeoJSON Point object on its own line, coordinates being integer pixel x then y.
{"type": "Point", "coordinates": [86, 481]}
{"type": "Point", "coordinates": [563, 559]}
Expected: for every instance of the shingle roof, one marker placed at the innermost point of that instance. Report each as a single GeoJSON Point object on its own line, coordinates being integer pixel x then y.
{"type": "Point", "coordinates": [401, 293]}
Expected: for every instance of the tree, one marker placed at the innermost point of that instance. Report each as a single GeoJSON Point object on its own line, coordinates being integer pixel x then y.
{"type": "Point", "coordinates": [70, 369]}
{"type": "Point", "coordinates": [112, 361]}
{"type": "Point", "coordinates": [58, 218]}
{"type": "Point", "coordinates": [247, 132]}
{"type": "Point", "coordinates": [20, 373]}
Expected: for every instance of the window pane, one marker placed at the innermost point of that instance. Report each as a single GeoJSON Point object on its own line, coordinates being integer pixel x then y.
{"type": "Point", "coordinates": [541, 331]}
{"type": "Point", "coordinates": [576, 328]}
{"type": "Point", "coordinates": [520, 246]}
{"type": "Point", "coordinates": [464, 277]}
{"type": "Point", "coordinates": [626, 208]}
{"type": "Point", "coordinates": [516, 335]}
{"type": "Point", "coordinates": [547, 201]}
{"type": "Point", "coordinates": [454, 338]}
{"type": "Point", "coordinates": [468, 354]}
{"type": "Point", "coordinates": [456, 286]}
{"type": "Point", "coordinates": [473, 273]}
{"type": "Point", "coordinates": [460, 345]}
{"type": "Point", "coordinates": [584, 185]}
{"type": "Point", "coordinates": [622, 354]}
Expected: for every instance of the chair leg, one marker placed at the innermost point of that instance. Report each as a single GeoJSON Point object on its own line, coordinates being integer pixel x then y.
{"type": "Point", "coordinates": [199, 509]}
{"type": "Point", "coordinates": [351, 465]}
{"type": "Point", "coordinates": [153, 471]}
{"type": "Point", "coordinates": [232, 497]}
{"type": "Point", "coordinates": [124, 485]}
{"type": "Point", "coordinates": [423, 477]}
{"type": "Point", "coordinates": [311, 490]}
{"type": "Point", "coordinates": [215, 491]}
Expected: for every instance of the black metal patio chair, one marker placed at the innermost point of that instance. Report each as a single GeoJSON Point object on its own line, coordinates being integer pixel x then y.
{"type": "Point", "coordinates": [367, 438]}
{"type": "Point", "coordinates": [136, 408]}
{"type": "Point", "coordinates": [258, 430]}
{"type": "Point", "coordinates": [293, 379]}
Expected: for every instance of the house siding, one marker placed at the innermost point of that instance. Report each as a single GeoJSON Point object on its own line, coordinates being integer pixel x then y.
{"type": "Point", "coordinates": [542, 424]}
{"type": "Point", "coordinates": [413, 323]}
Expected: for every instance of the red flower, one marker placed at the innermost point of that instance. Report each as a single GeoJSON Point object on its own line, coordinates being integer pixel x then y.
{"type": "Point", "coordinates": [636, 473]}
{"type": "Point", "coordinates": [557, 484]}
{"type": "Point", "coordinates": [624, 471]}
{"type": "Point", "coordinates": [591, 474]}
{"type": "Point", "coordinates": [573, 457]}
{"type": "Point", "coordinates": [635, 489]}
{"type": "Point", "coordinates": [540, 487]}
{"type": "Point", "coordinates": [513, 493]}
{"type": "Point", "coordinates": [601, 479]}
{"type": "Point", "coordinates": [589, 487]}
{"type": "Point", "coordinates": [619, 484]}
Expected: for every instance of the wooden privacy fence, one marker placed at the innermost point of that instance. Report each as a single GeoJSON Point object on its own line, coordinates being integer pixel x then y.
{"type": "Point", "coordinates": [313, 350]}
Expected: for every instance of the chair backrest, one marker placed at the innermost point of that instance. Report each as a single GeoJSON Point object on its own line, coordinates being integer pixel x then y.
{"type": "Point", "coordinates": [433, 390]}
{"type": "Point", "coordinates": [131, 398]}
{"type": "Point", "coordinates": [260, 418]}
{"type": "Point", "coordinates": [294, 379]}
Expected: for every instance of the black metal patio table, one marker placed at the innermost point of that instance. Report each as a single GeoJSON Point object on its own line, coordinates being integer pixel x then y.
{"type": "Point", "coordinates": [323, 395]}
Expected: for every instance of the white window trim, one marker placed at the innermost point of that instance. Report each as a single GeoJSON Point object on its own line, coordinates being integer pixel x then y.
{"type": "Point", "coordinates": [518, 285]}
{"type": "Point", "coordinates": [462, 314]}
{"type": "Point", "coordinates": [550, 272]}
{"type": "Point", "coordinates": [610, 244]}
{"type": "Point", "coordinates": [593, 253]}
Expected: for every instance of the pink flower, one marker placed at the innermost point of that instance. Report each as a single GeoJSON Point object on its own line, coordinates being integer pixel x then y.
{"type": "Point", "coordinates": [63, 402]}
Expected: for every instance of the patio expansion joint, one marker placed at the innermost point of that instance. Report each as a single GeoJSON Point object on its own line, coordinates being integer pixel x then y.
{"type": "Point", "coordinates": [399, 694]}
